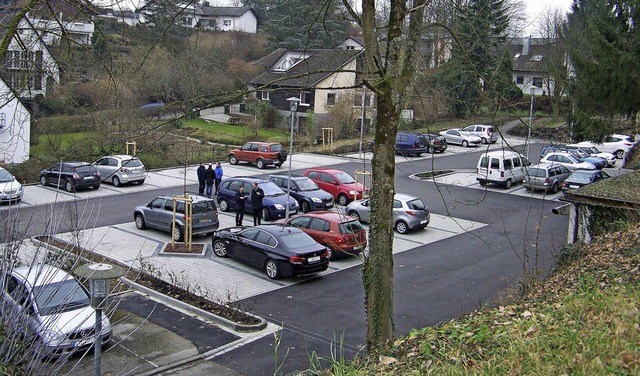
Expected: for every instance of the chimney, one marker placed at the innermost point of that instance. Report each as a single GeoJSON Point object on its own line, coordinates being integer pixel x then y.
{"type": "Point", "coordinates": [526, 45]}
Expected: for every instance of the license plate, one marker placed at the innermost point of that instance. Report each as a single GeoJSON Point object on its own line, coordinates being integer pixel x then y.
{"type": "Point", "coordinates": [88, 178]}
{"type": "Point", "coordinates": [573, 186]}
{"type": "Point", "coordinates": [84, 342]}
{"type": "Point", "coordinates": [423, 221]}
{"type": "Point", "coordinates": [313, 259]}
{"type": "Point", "coordinates": [328, 205]}
{"type": "Point", "coordinates": [204, 220]}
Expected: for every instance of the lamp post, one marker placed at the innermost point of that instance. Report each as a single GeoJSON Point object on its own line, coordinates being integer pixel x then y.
{"type": "Point", "coordinates": [99, 276]}
{"type": "Point", "coordinates": [293, 106]}
{"type": "Point", "coordinates": [532, 89]}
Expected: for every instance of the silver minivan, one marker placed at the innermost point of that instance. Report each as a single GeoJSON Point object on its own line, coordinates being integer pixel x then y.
{"type": "Point", "coordinates": [49, 308]}
{"type": "Point", "coordinates": [546, 177]}
{"type": "Point", "coordinates": [501, 167]}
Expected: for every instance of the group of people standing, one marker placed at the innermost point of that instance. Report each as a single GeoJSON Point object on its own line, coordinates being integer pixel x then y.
{"type": "Point", "coordinates": [257, 194]}
{"type": "Point", "coordinates": [208, 178]}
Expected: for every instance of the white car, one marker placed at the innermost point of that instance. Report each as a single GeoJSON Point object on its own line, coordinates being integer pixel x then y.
{"type": "Point", "coordinates": [460, 137]}
{"type": "Point", "coordinates": [567, 160]}
{"type": "Point", "coordinates": [10, 188]}
{"type": "Point", "coordinates": [618, 144]}
{"type": "Point", "coordinates": [594, 152]}
{"type": "Point", "coordinates": [49, 308]}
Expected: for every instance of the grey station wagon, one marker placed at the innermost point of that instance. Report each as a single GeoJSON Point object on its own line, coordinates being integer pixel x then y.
{"type": "Point", "coordinates": [546, 177]}
{"type": "Point", "coordinates": [158, 214]}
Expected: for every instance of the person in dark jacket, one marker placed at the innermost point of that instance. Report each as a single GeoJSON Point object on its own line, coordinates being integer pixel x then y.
{"type": "Point", "coordinates": [257, 194]}
{"type": "Point", "coordinates": [241, 199]}
{"type": "Point", "coordinates": [209, 177]}
{"type": "Point", "coordinates": [218, 171]}
{"type": "Point", "coordinates": [201, 171]}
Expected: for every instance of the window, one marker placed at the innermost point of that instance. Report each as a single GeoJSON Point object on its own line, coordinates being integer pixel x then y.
{"type": "Point", "coordinates": [495, 163]}
{"type": "Point", "coordinates": [187, 21]}
{"type": "Point", "coordinates": [265, 238]}
{"type": "Point", "coordinates": [264, 95]}
{"type": "Point", "coordinates": [397, 204]}
{"type": "Point", "coordinates": [327, 178]}
{"type": "Point", "coordinates": [517, 162]}
{"type": "Point", "coordinates": [3, 120]}
{"type": "Point", "coordinates": [357, 100]}
{"type": "Point", "coordinates": [318, 224]}
{"type": "Point", "coordinates": [508, 164]}
{"type": "Point", "coordinates": [537, 81]}
{"type": "Point", "coordinates": [313, 175]}
{"type": "Point", "coordinates": [331, 99]}
{"type": "Point", "coordinates": [300, 222]}
{"type": "Point", "coordinates": [305, 98]}
{"type": "Point", "coordinates": [536, 58]}
{"type": "Point", "coordinates": [520, 80]}
{"type": "Point", "coordinates": [226, 23]}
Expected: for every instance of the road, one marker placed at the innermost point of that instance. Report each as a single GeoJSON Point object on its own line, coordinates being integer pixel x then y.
{"type": "Point", "coordinates": [433, 282]}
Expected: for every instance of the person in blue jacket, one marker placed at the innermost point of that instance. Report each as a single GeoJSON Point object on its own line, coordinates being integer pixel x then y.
{"type": "Point", "coordinates": [218, 171]}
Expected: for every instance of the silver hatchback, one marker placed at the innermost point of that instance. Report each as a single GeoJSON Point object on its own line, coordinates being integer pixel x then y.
{"type": "Point", "coordinates": [545, 176]}
{"type": "Point", "coordinates": [121, 169]}
{"type": "Point", "coordinates": [409, 212]}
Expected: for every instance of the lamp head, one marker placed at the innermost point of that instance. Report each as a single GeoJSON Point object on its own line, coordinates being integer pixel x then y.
{"type": "Point", "coordinates": [293, 103]}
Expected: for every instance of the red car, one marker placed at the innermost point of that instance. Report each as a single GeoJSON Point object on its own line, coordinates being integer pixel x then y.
{"type": "Point", "coordinates": [261, 154]}
{"type": "Point", "coordinates": [341, 185]}
{"type": "Point", "coordinates": [342, 235]}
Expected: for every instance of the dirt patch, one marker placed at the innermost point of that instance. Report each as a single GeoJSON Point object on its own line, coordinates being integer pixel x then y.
{"type": "Point", "coordinates": [183, 249]}
{"type": "Point", "coordinates": [159, 285]}
{"type": "Point", "coordinates": [432, 174]}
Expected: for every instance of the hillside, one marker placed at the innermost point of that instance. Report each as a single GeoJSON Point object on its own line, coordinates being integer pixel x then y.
{"type": "Point", "coordinates": [582, 320]}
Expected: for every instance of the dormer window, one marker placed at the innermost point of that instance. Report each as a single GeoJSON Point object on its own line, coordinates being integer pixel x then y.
{"type": "Point", "coordinates": [517, 55]}
{"type": "Point", "coordinates": [536, 58]}
{"type": "Point", "coordinates": [289, 60]}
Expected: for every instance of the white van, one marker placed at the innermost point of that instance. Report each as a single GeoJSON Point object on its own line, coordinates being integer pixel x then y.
{"type": "Point", "coordinates": [501, 167]}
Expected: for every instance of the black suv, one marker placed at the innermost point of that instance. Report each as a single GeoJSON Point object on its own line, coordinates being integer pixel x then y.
{"type": "Point", "coordinates": [435, 143]}
{"type": "Point", "coordinates": [71, 176]}
{"type": "Point", "coordinates": [305, 191]}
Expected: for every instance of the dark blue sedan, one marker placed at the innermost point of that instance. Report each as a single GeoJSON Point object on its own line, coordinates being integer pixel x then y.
{"type": "Point", "coordinates": [274, 202]}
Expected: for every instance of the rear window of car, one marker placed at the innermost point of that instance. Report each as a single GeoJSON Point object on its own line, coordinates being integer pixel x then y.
{"type": "Point", "coordinates": [276, 147]}
{"type": "Point", "coordinates": [580, 178]}
{"type": "Point", "coordinates": [88, 169]}
{"type": "Point", "coordinates": [297, 240]}
{"type": "Point", "coordinates": [416, 204]}
{"type": "Point", "coordinates": [135, 162]}
{"type": "Point", "coordinates": [350, 227]}
{"type": "Point", "coordinates": [203, 207]}
{"type": "Point", "coordinates": [537, 172]}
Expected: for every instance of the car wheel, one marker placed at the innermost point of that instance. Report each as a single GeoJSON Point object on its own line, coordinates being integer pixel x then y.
{"type": "Point", "coordinates": [465, 143]}
{"type": "Point", "coordinates": [484, 140]}
{"type": "Point", "coordinates": [429, 150]}
{"type": "Point", "coordinates": [278, 165]}
{"type": "Point", "coordinates": [305, 207]}
{"type": "Point", "coordinates": [402, 227]}
{"type": "Point", "coordinates": [404, 153]}
{"type": "Point", "coordinates": [140, 182]}
{"type": "Point", "coordinates": [116, 181]}
{"type": "Point", "coordinates": [97, 186]}
{"type": "Point", "coordinates": [43, 180]}
{"type": "Point", "coordinates": [555, 188]}
{"type": "Point", "coordinates": [265, 214]}
{"type": "Point", "coordinates": [220, 248]}
{"type": "Point", "coordinates": [483, 183]}
{"type": "Point", "coordinates": [224, 205]}
{"type": "Point", "coordinates": [260, 163]}
{"type": "Point", "coordinates": [507, 184]}
{"type": "Point", "coordinates": [343, 199]}
{"type": "Point", "coordinates": [68, 186]}
{"type": "Point", "coordinates": [329, 252]}
{"type": "Point", "coordinates": [177, 234]}
{"type": "Point", "coordinates": [233, 160]}
{"type": "Point", "coordinates": [619, 154]}
{"type": "Point", "coordinates": [139, 220]}
{"type": "Point", "coordinates": [353, 213]}
{"type": "Point", "coordinates": [272, 270]}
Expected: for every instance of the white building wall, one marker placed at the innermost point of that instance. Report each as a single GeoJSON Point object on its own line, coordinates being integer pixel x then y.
{"type": "Point", "coordinates": [15, 127]}
{"type": "Point", "coordinates": [335, 83]}
{"type": "Point", "coordinates": [247, 23]}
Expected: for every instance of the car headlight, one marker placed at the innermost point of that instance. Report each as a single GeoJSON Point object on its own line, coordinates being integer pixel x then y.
{"type": "Point", "coordinates": [352, 192]}
{"type": "Point", "coordinates": [278, 207]}
{"type": "Point", "coordinates": [315, 199]}
{"type": "Point", "coordinates": [52, 337]}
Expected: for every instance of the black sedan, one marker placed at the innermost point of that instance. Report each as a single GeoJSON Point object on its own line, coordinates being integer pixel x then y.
{"type": "Point", "coordinates": [279, 251]}
{"type": "Point", "coordinates": [580, 178]}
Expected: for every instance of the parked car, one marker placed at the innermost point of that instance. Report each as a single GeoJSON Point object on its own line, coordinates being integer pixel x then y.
{"type": "Point", "coordinates": [546, 177]}
{"type": "Point", "coordinates": [484, 131]}
{"type": "Point", "coordinates": [10, 188]}
{"type": "Point", "coordinates": [618, 144]}
{"type": "Point", "coordinates": [342, 235]}
{"type": "Point", "coordinates": [582, 156]}
{"type": "Point", "coordinates": [279, 251]}
{"type": "Point", "coordinates": [158, 214]}
{"type": "Point", "coordinates": [274, 201]}
{"type": "Point", "coordinates": [580, 178]}
{"type": "Point", "coordinates": [49, 308]}
{"type": "Point", "coordinates": [569, 161]}
{"type": "Point", "coordinates": [411, 144]}
{"type": "Point", "coordinates": [594, 152]}
{"type": "Point", "coordinates": [120, 169]}
{"type": "Point", "coordinates": [409, 212]}
{"type": "Point", "coordinates": [501, 167]}
{"type": "Point", "coordinates": [435, 142]}
{"type": "Point", "coordinates": [262, 154]}
{"type": "Point", "coordinates": [71, 175]}
{"type": "Point", "coordinates": [460, 137]}
{"type": "Point", "coordinates": [339, 184]}
{"type": "Point", "coordinates": [309, 196]}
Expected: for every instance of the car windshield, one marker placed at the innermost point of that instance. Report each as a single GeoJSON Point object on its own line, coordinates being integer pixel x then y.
{"type": "Point", "coordinates": [270, 189]}
{"type": "Point", "coordinates": [276, 147]}
{"type": "Point", "coordinates": [306, 185]}
{"type": "Point", "coordinates": [537, 172]}
{"type": "Point", "coordinates": [580, 177]}
{"type": "Point", "coordinates": [5, 176]}
{"type": "Point", "coordinates": [416, 204]}
{"type": "Point", "coordinates": [60, 297]}
{"type": "Point", "coordinates": [593, 150]}
{"type": "Point", "coordinates": [296, 239]}
{"type": "Point", "coordinates": [135, 162]}
{"type": "Point", "coordinates": [344, 178]}
{"type": "Point", "coordinates": [350, 227]}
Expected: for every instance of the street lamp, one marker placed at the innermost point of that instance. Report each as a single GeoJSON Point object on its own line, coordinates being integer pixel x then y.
{"type": "Point", "coordinates": [532, 89]}
{"type": "Point", "coordinates": [293, 106]}
{"type": "Point", "coordinates": [99, 276]}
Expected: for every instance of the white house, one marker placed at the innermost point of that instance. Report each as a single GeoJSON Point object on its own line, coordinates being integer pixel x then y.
{"type": "Point", "coordinates": [229, 18]}
{"type": "Point", "coordinates": [15, 127]}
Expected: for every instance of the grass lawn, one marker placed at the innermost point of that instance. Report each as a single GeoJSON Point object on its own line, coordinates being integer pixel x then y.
{"type": "Point", "coordinates": [230, 134]}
